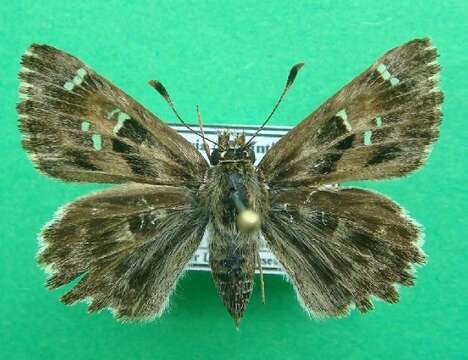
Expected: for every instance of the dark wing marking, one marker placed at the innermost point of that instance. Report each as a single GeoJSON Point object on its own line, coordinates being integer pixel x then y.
{"type": "Point", "coordinates": [77, 126]}
{"type": "Point", "coordinates": [342, 246]}
{"type": "Point", "coordinates": [380, 125]}
{"type": "Point", "coordinates": [130, 243]}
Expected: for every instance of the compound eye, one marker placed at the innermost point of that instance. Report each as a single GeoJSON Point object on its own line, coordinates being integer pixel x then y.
{"type": "Point", "coordinates": [252, 155]}
{"type": "Point", "coordinates": [215, 157]}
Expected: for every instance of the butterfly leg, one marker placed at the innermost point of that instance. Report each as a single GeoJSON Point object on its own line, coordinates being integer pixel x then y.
{"type": "Point", "coordinates": [262, 283]}
{"type": "Point", "coordinates": [200, 124]}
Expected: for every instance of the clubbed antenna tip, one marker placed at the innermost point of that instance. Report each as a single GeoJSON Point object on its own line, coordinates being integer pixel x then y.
{"type": "Point", "coordinates": [291, 77]}
{"type": "Point", "coordinates": [163, 92]}
{"type": "Point", "coordinates": [293, 73]}
{"type": "Point", "coordinates": [159, 88]}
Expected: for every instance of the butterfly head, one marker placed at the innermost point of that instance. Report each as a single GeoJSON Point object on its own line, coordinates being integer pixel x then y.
{"type": "Point", "coordinates": [232, 147]}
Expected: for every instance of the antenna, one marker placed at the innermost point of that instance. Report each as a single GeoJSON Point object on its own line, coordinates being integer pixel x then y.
{"type": "Point", "coordinates": [291, 77]}
{"type": "Point", "coordinates": [163, 92]}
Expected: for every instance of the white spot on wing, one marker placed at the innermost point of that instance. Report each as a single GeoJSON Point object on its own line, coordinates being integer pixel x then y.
{"type": "Point", "coordinates": [111, 113]}
{"type": "Point", "coordinates": [343, 115]}
{"type": "Point", "coordinates": [76, 81]}
{"type": "Point", "coordinates": [367, 137]}
{"type": "Point", "coordinates": [23, 96]}
{"type": "Point", "coordinates": [394, 81]}
{"type": "Point", "coordinates": [381, 68]}
{"type": "Point", "coordinates": [97, 141]}
{"type": "Point", "coordinates": [29, 52]}
{"type": "Point", "coordinates": [68, 86]}
{"type": "Point", "coordinates": [25, 84]}
{"type": "Point", "coordinates": [81, 72]}
{"type": "Point", "coordinates": [123, 116]}
{"type": "Point", "coordinates": [85, 126]}
{"type": "Point", "coordinates": [386, 75]}
{"type": "Point", "coordinates": [24, 69]}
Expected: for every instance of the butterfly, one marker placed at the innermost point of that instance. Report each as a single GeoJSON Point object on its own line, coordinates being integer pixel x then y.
{"type": "Point", "coordinates": [127, 246]}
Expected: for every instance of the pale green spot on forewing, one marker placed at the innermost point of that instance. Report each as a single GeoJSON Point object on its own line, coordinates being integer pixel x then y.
{"type": "Point", "coordinates": [378, 121]}
{"type": "Point", "coordinates": [381, 68]}
{"type": "Point", "coordinates": [394, 81]}
{"type": "Point", "coordinates": [81, 72]}
{"type": "Point", "coordinates": [77, 80]}
{"type": "Point", "coordinates": [97, 142]}
{"type": "Point", "coordinates": [386, 75]}
{"type": "Point", "coordinates": [69, 86]}
{"type": "Point", "coordinates": [85, 126]}
{"type": "Point", "coordinates": [113, 112]}
{"type": "Point", "coordinates": [344, 116]}
{"type": "Point", "coordinates": [367, 137]}
{"type": "Point", "coordinates": [123, 116]}
{"type": "Point", "coordinates": [118, 126]}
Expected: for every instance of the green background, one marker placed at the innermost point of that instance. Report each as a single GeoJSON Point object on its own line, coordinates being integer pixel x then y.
{"type": "Point", "coordinates": [232, 58]}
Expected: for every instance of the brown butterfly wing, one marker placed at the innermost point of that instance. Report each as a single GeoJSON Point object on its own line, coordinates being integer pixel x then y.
{"type": "Point", "coordinates": [130, 244]}
{"type": "Point", "coordinates": [77, 126]}
{"type": "Point", "coordinates": [340, 247]}
{"type": "Point", "coordinates": [380, 125]}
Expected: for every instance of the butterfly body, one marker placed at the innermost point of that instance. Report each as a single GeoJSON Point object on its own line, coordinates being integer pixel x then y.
{"type": "Point", "coordinates": [231, 186]}
{"type": "Point", "coordinates": [340, 246]}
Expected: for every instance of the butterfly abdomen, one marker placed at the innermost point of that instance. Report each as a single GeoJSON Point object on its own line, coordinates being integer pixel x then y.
{"type": "Point", "coordinates": [233, 269]}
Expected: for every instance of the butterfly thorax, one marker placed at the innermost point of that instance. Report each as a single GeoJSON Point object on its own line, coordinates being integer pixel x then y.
{"type": "Point", "coordinates": [221, 182]}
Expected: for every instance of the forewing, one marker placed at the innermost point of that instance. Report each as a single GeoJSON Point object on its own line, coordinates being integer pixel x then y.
{"type": "Point", "coordinates": [378, 126]}
{"type": "Point", "coordinates": [339, 247]}
{"type": "Point", "coordinates": [77, 126]}
{"type": "Point", "coordinates": [129, 243]}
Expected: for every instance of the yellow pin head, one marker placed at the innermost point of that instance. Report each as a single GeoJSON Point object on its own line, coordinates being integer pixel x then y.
{"type": "Point", "coordinates": [248, 220]}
